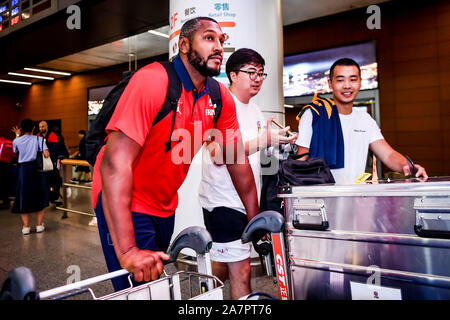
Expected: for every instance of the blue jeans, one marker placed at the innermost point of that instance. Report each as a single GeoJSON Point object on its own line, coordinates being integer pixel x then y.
{"type": "Point", "coordinates": [151, 233]}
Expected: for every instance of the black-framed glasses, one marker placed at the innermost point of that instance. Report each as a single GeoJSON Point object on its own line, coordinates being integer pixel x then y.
{"type": "Point", "coordinates": [253, 74]}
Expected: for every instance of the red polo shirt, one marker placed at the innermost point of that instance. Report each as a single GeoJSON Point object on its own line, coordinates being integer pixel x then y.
{"type": "Point", "coordinates": [157, 174]}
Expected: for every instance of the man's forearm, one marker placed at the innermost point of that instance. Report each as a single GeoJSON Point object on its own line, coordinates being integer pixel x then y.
{"type": "Point", "coordinates": [116, 200]}
{"type": "Point", "coordinates": [244, 183]}
{"type": "Point", "coordinates": [117, 189]}
{"type": "Point", "coordinates": [395, 161]}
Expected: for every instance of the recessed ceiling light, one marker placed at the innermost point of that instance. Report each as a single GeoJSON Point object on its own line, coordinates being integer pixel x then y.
{"type": "Point", "coordinates": [159, 33]}
{"type": "Point", "coordinates": [29, 76]}
{"type": "Point", "coordinates": [48, 71]}
{"type": "Point", "coordinates": [16, 82]}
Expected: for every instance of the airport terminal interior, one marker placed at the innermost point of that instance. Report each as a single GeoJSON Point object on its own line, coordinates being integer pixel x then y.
{"type": "Point", "coordinates": [59, 59]}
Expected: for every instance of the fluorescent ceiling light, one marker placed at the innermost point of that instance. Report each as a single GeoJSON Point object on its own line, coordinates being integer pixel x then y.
{"type": "Point", "coordinates": [29, 76]}
{"type": "Point", "coordinates": [48, 71]}
{"type": "Point", "coordinates": [288, 106]}
{"type": "Point", "coordinates": [16, 82]}
{"type": "Point", "coordinates": [159, 33]}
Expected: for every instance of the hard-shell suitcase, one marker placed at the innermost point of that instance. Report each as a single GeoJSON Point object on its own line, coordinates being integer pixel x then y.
{"type": "Point", "coordinates": [389, 240]}
{"type": "Point", "coordinates": [369, 241]}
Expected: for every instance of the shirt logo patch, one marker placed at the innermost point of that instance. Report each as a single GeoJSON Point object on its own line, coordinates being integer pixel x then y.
{"type": "Point", "coordinates": [178, 107]}
{"type": "Point", "coordinates": [258, 125]}
{"type": "Point", "coordinates": [210, 112]}
{"type": "Point", "coordinates": [211, 109]}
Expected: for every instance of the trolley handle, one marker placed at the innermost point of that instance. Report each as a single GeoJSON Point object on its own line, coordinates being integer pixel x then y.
{"type": "Point", "coordinates": [196, 238]}
{"type": "Point", "coordinates": [20, 283]}
{"type": "Point", "coordinates": [265, 222]}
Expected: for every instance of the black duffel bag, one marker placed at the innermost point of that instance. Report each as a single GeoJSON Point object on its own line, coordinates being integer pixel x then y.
{"type": "Point", "coordinates": [295, 172]}
{"type": "Point", "coordinates": [292, 172]}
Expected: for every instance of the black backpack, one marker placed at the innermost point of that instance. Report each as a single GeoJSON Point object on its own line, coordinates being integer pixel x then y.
{"type": "Point", "coordinates": [97, 135]}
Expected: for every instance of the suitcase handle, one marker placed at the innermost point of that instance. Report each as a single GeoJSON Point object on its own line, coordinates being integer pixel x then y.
{"type": "Point", "coordinates": [308, 226]}
{"type": "Point", "coordinates": [421, 232]}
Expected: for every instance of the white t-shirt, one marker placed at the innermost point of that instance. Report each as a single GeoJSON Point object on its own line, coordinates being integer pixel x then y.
{"type": "Point", "coordinates": [359, 130]}
{"type": "Point", "coordinates": [216, 188]}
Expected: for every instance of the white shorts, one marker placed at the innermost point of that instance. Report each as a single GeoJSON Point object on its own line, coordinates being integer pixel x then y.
{"type": "Point", "coordinates": [233, 251]}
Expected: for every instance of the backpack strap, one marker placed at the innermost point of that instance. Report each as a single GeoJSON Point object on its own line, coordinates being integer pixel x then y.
{"type": "Point", "coordinates": [170, 104]}
{"type": "Point", "coordinates": [216, 97]}
{"type": "Point", "coordinates": [173, 95]}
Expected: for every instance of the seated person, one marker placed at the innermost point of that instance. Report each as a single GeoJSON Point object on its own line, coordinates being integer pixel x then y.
{"type": "Point", "coordinates": [332, 130]}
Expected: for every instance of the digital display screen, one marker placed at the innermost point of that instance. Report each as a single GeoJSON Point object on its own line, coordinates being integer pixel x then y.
{"type": "Point", "coordinates": [14, 11]}
{"type": "Point", "coordinates": [307, 73]}
{"type": "Point", "coordinates": [3, 8]}
{"type": "Point", "coordinates": [14, 3]}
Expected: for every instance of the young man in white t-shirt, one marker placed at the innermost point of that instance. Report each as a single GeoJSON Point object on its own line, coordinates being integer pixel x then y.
{"type": "Point", "coordinates": [224, 213]}
{"type": "Point", "coordinates": [360, 131]}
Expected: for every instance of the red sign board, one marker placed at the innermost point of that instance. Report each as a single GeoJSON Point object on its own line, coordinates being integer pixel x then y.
{"type": "Point", "coordinates": [14, 20]}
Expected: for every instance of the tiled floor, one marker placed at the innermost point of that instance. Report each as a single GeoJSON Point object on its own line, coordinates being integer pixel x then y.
{"type": "Point", "coordinates": [66, 247]}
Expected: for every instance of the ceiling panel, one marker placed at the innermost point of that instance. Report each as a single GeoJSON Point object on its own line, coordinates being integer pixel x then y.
{"type": "Point", "coordinates": [295, 11]}
{"type": "Point", "coordinates": [147, 45]}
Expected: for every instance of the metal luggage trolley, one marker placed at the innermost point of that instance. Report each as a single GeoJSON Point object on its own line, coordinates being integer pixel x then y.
{"type": "Point", "coordinates": [386, 240]}
{"type": "Point", "coordinates": [182, 285]}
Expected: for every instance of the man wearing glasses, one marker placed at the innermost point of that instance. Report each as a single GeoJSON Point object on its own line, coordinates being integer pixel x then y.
{"type": "Point", "coordinates": [223, 211]}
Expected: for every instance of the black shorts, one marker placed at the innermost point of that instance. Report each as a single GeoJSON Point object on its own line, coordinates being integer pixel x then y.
{"type": "Point", "coordinates": [225, 224]}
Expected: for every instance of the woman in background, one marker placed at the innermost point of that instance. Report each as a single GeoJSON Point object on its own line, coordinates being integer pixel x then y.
{"type": "Point", "coordinates": [81, 155]}
{"type": "Point", "coordinates": [31, 192]}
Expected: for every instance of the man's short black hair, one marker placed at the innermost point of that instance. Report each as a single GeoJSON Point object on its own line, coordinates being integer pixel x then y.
{"type": "Point", "coordinates": [191, 26]}
{"type": "Point", "coordinates": [27, 125]}
{"type": "Point", "coordinates": [344, 62]}
{"type": "Point", "coordinates": [243, 57]}
{"type": "Point", "coordinates": [82, 132]}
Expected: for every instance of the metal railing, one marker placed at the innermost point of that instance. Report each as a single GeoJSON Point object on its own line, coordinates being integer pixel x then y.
{"type": "Point", "coordinates": [65, 185]}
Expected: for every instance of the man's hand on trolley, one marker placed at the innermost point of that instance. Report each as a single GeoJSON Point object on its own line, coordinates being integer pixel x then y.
{"type": "Point", "coordinates": [145, 265]}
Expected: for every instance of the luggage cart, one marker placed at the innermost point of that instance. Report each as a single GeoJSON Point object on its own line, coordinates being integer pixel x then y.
{"type": "Point", "coordinates": [182, 285]}
{"type": "Point", "coordinates": [389, 240]}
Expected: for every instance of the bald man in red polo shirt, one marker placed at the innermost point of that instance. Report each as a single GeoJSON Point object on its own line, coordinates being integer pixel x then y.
{"type": "Point", "coordinates": [135, 186]}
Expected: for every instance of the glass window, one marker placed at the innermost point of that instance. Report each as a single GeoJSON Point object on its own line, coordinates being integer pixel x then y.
{"type": "Point", "coordinates": [25, 5]}
{"type": "Point", "coordinates": [42, 6]}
